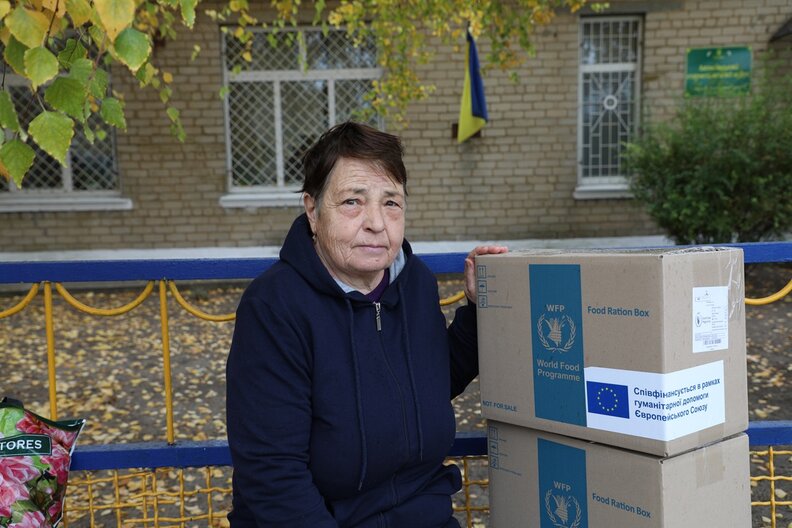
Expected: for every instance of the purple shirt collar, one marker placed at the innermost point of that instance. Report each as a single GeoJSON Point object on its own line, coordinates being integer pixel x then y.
{"type": "Point", "coordinates": [375, 294]}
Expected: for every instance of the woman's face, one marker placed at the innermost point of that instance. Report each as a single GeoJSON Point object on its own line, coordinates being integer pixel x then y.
{"type": "Point", "coordinates": [359, 225]}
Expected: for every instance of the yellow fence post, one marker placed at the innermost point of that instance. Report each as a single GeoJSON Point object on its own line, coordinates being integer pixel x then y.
{"type": "Point", "coordinates": [166, 366]}
{"type": "Point", "coordinates": [771, 467]}
{"type": "Point", "coordinates": [49, 326]}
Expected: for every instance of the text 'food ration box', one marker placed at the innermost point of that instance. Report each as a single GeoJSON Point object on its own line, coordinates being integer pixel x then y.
{"type": "Point", "coordinates": [549, 481]}
{"type": "Point", "coordinates": [641, 349]}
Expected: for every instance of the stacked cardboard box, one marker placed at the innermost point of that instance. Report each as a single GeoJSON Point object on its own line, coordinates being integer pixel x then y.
{"type": "Point", "coordinates": [639, 350]}
{"type": "Point", "coordinates": [550, 481]}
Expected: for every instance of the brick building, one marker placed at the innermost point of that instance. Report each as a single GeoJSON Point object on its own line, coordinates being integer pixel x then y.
{"type": "Point", "coordinates": [546, 166]}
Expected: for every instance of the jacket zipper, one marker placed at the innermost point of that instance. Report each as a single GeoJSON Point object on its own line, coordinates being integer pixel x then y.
{"type": "Point", "coordinates": [378, 309]}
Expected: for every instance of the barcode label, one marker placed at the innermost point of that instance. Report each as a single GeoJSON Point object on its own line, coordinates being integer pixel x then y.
{"type": "Point", "coordinates": [710, 318]}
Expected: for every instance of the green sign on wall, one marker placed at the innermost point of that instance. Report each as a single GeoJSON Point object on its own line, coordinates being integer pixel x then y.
{"type": "Point", "coordinates": [718, 72]}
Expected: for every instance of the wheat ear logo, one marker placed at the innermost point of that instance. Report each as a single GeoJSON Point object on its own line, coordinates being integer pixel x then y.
{"type": "Point", "coordinates": [563, 510]}
{"type": "Point", "coordinates": [551, 332]}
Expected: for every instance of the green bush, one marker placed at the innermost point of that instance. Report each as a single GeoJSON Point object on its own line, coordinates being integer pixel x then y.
{"type": "Point", "coordinates": [721, 169]}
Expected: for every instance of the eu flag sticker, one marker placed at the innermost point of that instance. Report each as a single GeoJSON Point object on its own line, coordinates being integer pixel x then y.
{"type": "Point", "coordinates": [608, 399]}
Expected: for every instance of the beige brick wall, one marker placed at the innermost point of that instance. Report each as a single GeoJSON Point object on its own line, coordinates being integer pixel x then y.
{"type": "Point", "coordinates": [516, 181]}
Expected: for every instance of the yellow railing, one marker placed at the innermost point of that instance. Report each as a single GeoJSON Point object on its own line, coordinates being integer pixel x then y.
{"type": "Point", "coordinates": [179, 497]}
{"type": "Point", "coordinates": [170, 497]}
{"type": "Point", "coordinates": [157, 498]}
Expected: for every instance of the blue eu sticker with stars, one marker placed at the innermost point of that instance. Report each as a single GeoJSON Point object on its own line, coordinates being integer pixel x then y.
{"type": "Point", "coordinates": [608, 399]}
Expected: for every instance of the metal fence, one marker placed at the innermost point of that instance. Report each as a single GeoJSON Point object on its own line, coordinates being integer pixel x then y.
{"type": "Point", "coordinates": [179, 482]}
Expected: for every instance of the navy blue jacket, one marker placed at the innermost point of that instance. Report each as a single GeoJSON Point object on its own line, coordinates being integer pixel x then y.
{"type": "Point", "coordinates": [338, 408]}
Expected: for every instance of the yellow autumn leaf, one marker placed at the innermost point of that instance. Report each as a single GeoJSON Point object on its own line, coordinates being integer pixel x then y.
{"type": "Point", "coordinates": [247, 56]}
{"type": "Point", "coordinates": [5, 8]}
{"type": "Point", "coordinates": [167, 77]}
{"type": "Point", "coordinates": [56, 6]}
{"type": "Point", "coordinates": [116, 15]}
{"type": "Point", "coordinates": [28, 26]}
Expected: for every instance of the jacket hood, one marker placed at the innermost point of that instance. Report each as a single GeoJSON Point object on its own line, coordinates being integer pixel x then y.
{"type": "Point", "coordinates": [298, 252]}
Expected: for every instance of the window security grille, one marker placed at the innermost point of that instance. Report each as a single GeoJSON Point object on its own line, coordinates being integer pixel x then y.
{"type": "Point", "coordinates": [90, 168]}
{"type": "Point", "coordinates": [279, 103]}
{"type": "Point", "coordinates": [609, 87]}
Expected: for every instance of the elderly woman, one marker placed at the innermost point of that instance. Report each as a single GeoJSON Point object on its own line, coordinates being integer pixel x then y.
{"type": "Point", "coordinates": [342, 369]}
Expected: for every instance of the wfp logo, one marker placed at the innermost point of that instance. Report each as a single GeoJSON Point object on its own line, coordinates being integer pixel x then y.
{"type": "Point", "coordinates": [563, 510]}
{"type": "Point", "coordinates": [556, 331]}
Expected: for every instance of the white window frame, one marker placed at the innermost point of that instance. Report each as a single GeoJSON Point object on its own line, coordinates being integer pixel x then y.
{"type": "Point", "coordinates": [16, 200]}
{"type": "Point", "coordinates": [605, 187]}
{"type": "Point", "coordinates": [280, 195]}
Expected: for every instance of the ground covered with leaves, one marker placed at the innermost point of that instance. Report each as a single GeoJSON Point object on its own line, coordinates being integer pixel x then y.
{"type": "Point", "coordinates": [110, 369]}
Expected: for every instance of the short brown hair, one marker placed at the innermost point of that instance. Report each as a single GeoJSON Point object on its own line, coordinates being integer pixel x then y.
{"type": "Point", "coordinates": [355, 141]}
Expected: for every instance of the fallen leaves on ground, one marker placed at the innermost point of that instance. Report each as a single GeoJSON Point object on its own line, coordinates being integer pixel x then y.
{"type": "Point", "coordinates": [110, 369]}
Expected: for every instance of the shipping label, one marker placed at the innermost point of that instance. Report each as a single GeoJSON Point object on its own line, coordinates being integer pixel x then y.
{"type": "Point", "coordinates": [653, 405]}
{"type": "Point", "coordinates": [710, 319]}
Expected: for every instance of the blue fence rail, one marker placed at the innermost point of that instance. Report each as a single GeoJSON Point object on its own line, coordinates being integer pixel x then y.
{"type": "Point", "coordinates": [215, 453]}
{"type": "Point", "coordinates": [29, 272]}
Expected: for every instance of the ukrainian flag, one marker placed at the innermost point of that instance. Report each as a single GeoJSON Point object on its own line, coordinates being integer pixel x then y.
{"type": "Point", "coordinates": [473, 107]}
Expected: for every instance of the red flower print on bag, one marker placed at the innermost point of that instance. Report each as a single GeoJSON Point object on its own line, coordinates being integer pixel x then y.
{"type": "Point", "coordinates": [35, 455]}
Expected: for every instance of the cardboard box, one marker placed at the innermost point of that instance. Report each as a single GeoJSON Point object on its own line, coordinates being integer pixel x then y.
{"type": "Point", "coordinates": [549, 481]}
{"type": "Point", "coordinates": [641, 349]}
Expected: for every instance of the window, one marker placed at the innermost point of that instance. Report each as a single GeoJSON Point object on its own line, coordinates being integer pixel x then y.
{"type": "Point", "coordinates": [89, 181]}
{"type": "Point", "coordinates": [608, 102]}
{"type": "Point", "coordinates": [279, 103]}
